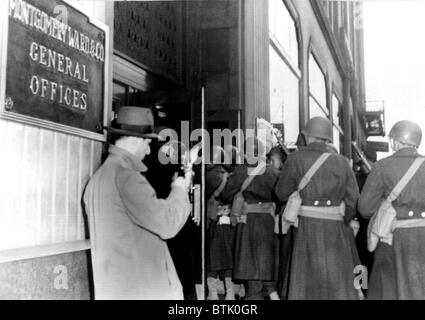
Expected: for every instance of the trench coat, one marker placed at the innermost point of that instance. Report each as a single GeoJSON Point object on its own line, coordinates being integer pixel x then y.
{"type": "Point", "coordinates": [220, 238]}
{"type": "Point", "coordinates": [128, 228]}
{"type": "Point", "coordinates": [256, 246]}
{"type": "Point", "coordinates": [324, 254]}
{"type": "Point", "coordinates": [398, 271]}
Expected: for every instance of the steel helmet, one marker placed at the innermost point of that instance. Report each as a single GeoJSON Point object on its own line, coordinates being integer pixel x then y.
{"type": "Point", "coordinates": [319, 127]}
{"type": "Point", "coordinates": [407, 132]}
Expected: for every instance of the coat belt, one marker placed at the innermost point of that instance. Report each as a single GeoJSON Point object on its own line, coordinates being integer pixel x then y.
{"type": "Point", "coordinates": [327, 213]}
{"type": "Point", "coordinates": [266, 207]}
{"type": "Point", "coordinates": [407, 223]}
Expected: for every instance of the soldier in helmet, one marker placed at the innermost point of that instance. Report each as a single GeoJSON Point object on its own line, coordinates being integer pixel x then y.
{"type": "Point", "coordinates": [250, 187]}
{"type": "Point", "coordinates": [398, 270]}
{"type": "Point", "coordinates": [324, 253]}
{"type": "Point", "coordinates": [220, 234]}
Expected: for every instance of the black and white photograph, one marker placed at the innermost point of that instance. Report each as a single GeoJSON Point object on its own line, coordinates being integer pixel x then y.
{"type": "Point", "coordinates": [224, 151]}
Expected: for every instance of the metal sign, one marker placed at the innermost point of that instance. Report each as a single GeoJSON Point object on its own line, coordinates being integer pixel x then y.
{"type": "Point", "coordinates": [379, 146]}
{"type": "Point", "coordinates": [56, 67]}
{"type": "Point", "coordinates": [374, 124]}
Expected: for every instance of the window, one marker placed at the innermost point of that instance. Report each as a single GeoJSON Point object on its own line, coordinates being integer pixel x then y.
{"type": "Point", "coordinates": [284, 97]}
{"type": "Point", "coordinates": [336, 17]}
{"type": "Point", "coordinates": [349, 30]}
{"type": "Point", "coordinates": [338, 134]}
{"type": "Point", "coordinates": [122, 95]}
{"type": "Point", "coordinates": [317, 86]}
{"type": "Point", "coordinates": [284, 71]}
{"type": "Point", "coordinates": [283, 29]}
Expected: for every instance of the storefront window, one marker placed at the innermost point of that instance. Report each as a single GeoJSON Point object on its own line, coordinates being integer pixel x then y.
{"type": "Point", "coordinates": [284, 71]}
{"type": "Point", "coordinates": [283, 30]}
{"type": "Point", "coordinates": [317, 86]}
{"type": "Point", "coordinates": [283, 97]}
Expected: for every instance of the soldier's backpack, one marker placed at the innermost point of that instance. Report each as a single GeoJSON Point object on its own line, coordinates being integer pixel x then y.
{"type": "Point", "coordinates": [213, 205]}
{"type": "Point", "coordinates": [293, 206]}
{"type": "Point", "coordinates": [380, 226]}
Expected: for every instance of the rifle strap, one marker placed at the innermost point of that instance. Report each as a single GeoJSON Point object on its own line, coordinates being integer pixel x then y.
{"type": "Point", "coordinates": [313, 169]}
{"type": "Point", "coordinates": [252, 175]}
{"type": "Point", "coordinates": [220, 188]}
{"type": "Point", "coordinates": [405, 179]}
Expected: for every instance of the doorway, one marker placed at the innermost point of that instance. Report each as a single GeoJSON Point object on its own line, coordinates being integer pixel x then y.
{"type": "Point", "coordinates": [170, 107]}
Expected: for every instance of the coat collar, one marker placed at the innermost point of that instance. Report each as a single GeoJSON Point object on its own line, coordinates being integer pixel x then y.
{"type": "Point", "coordinates": [406, 152]}
{"type": "Point", "coordinates": [320, 147]}
{"type": "Point", "coordinates": [129, 159]}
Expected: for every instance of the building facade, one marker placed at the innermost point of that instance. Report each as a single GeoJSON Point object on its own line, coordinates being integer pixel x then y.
{"type": "Point", "coordinates": [211, 64]}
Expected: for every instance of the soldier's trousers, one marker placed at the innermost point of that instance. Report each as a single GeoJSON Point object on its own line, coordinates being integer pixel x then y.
{"type": "Point", "coordinates": [222, 273]}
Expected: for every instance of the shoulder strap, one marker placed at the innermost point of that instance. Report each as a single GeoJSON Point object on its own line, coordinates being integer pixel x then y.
{"type": "Point", "coordinates": [313, 169]}
{"type": "Point", "coordinates": [252, 175]}
{"type": "Point", "coordinates": [405, 179]}
{"type": "Point", "coordinates": [221, 186]}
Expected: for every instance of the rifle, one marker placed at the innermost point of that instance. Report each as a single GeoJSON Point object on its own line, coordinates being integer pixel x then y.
{"type": "Point", "coordinates": [362, 156]}
{"type": "Point", "coordinates": [281, 144]}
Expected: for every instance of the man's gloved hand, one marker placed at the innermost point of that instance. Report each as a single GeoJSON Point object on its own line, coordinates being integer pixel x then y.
{"type": "Point", "coordinates": [183, 182]}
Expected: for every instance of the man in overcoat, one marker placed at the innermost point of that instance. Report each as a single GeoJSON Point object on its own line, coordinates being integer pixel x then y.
{"type": "Point", "coordinates": [324, 254]}
{"type": "Point", "coordinates": [128, 223]}
{"type": "Point", "coordinates": [398, 270]}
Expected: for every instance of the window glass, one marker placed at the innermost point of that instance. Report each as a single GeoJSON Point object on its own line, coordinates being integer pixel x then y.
{"type": "Point", "coordinates": [317, 82]}
{"type": "Point", "coordinates": [317, 85]}
{"type": "Point", "coordinates": [122, 94]}
{"type": "Point", "coordinates": [337, 134]}
{"type": "Point", "coordinates": [284, 97]}
{"type": "Point", "coordinates": [283, 28]}
{"type": "Point", "coordinates": [316, 110]}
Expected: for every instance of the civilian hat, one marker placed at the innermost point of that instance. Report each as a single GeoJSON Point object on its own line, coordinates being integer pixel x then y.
{"type": "Point", "coordinates": [134, 121]}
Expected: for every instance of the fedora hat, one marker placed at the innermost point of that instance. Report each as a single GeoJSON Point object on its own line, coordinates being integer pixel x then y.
{"type": "Point", "coordinates": [134, 121]}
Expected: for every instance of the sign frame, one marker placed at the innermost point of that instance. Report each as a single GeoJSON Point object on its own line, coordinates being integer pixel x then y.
{"type": "Point", "coordinates": [47, 124]}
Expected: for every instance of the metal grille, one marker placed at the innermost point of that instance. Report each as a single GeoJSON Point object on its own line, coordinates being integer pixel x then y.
{"type": "Point", "coordinates": [150, 32]}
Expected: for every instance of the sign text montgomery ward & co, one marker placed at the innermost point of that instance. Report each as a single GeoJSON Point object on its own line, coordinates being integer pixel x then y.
{"type": "Point", "coordinates": [55, 66]}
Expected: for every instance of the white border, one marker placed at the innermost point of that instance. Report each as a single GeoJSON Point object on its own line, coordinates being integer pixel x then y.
{"type": "Point", "coordinates": [4, 30]}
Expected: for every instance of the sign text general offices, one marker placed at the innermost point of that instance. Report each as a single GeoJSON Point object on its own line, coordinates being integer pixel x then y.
{"type": "Point", "coordinates": [55, 66]}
